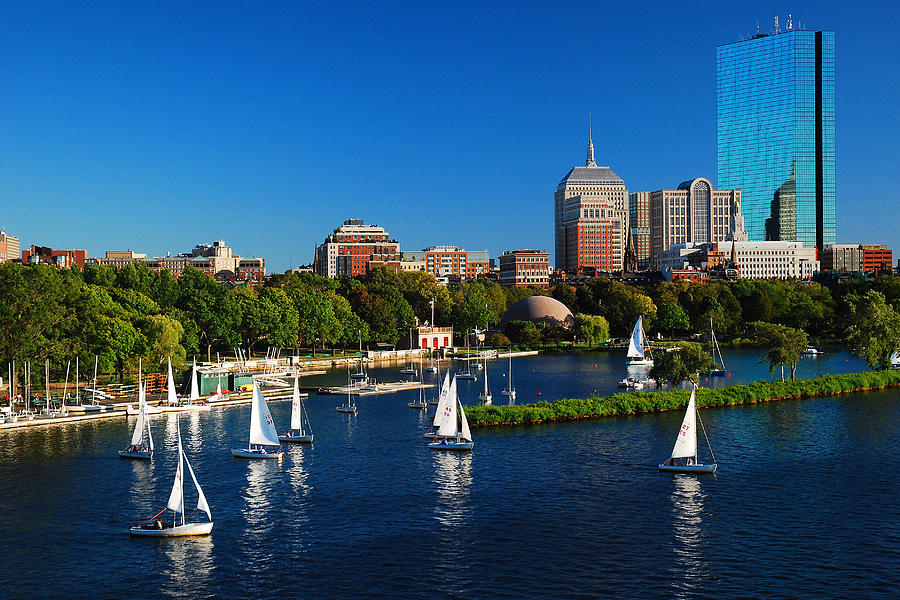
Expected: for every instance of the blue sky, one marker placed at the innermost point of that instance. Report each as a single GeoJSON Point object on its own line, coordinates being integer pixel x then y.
{"type": "Point", "coordinates": [157, 126]}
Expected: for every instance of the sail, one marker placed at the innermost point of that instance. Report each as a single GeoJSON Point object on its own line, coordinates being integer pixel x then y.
{"type": "Point", "coordinates": [636, 343]}
{"type": "Point", "coordinates": [466, 434]}
{"type": "Point", "coordinates": [176, 498]}
{"type": "Point", "coordinates": [442, 399]}
{"type": "Point", "coordinates": [447, 411]}
{"type": "Point", "coordinates": [202, 504]}
{"type": "Point", "coordinates": [142, 400]}
{"type": "Point", "coordinates": [195, 390]}
{"type": "Point", "coordinates": [686, 443]}
{"type": "Point", "coordinates": [296, 413]}
{"type": "Point", "coordinates": [219, 388]}
{"type": "Point", "coordinates": [172, 395]}
{"type": "Point", "coordinates": [138, 434]}
{"type": "Point", "coordinates": [485, 380]}
{"type": "Point", "coordinates": [262, 427]}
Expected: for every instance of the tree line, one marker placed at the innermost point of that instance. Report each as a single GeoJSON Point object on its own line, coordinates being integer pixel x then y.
{"type": "Point", "coordinates": [120, 315]}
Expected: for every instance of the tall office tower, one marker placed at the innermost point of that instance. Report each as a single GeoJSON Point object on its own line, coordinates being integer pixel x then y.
{"type": "Point", "coordinates": [590, 217]}
{"type": "Point", "coordinates": [639, 218]}
{"type": "Point", "coordinates": [775, 112]}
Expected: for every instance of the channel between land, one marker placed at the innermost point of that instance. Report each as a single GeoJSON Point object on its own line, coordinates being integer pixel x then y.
{"type": "Point", "coordinates": [640, 403]}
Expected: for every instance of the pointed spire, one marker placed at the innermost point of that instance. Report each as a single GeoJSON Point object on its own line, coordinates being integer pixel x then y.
{"type": "Point", "coordinates": [590, 162]}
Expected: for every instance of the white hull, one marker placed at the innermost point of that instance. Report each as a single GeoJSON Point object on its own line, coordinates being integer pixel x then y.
{"type": "Point", "coordinates": [182, 408]}
{"type": "Point", "coordinates": [139, 455]}
{"type": "Point", "coordinates": [467, 376]}
{"type": "Point", "coordinates": [296, 439]}
{"type": "Point", "coordinates": [639, 362]}
{"type": "Point", "coordinates": [446, 444]}
{"type": "Point", "coordinates": [150, 410]}
{"type": "Point", "coordinates": [86, 408]}
{"type": "Point", "coordinates": [246, 453]}
{"type": "Point", "coordinates": [177, 531]}
{"type": "Point", "coordinates": [485, 398]}
{"type": "Point", "coordinates": [510, 393]}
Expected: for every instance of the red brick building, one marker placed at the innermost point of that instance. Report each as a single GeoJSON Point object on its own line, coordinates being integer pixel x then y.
{"type": "Point", "coordinates": [525, 267]}
{"type": "Point", "coordinates": [351, 247]}
{"type": "Point", "coordinates": [60, 258]}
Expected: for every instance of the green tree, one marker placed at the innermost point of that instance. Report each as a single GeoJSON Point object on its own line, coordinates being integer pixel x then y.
{"type": "Point", "coordinates": [524, 333]}
{"type": "Point", "coordinates": [211, 308]}
{"type": "Point", "coordinates": [566, 294]}
{"type": "Point", "coordinates": [164, 341]}
{"type": "Point", "coordinates": [593, 329]}
{"type": "Point", "coordinates": [685, 363]}
{"type": "Point", "coordinates": [873, 331]}
{"type": "Point", "coordinates": [670, 316]}
{"type": "Point", "coordinates": [785, 345]}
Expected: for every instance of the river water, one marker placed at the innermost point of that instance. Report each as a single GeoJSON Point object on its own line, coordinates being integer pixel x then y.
{"type": "Point", "coordinates": [804, 503]}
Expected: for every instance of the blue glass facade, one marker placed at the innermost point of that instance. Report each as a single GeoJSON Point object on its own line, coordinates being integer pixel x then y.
{"type": "Point", "coordinates": [775, 114]}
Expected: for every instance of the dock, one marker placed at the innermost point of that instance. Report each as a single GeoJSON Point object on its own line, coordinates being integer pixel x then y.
{"type": "Point", "coordinates": [372, 389]}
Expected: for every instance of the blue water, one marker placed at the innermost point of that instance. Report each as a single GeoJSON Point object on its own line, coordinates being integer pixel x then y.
{"type": "Point", "coordinates": [804, 503]}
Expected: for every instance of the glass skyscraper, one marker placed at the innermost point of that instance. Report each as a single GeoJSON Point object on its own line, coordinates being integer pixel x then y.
{"type": "Point", "coordinates": [775, 114]}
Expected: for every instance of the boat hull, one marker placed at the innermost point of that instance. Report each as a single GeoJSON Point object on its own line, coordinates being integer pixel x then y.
{"type": "Point", "coordinates": [486, 399]}
{"type": "Point", "coordinates": [177, 531]}
{"type": "Point", "coordinates": [467, 376]}
{"type": "Point", "coordinates": [639, 362]}
{"type": "Point", "coordinates": [349, 410]}
{"type": "Point", "coordinates": [688, 468]}
{"type": "Point", "coordinates": [137, 455]}
{"type": "Point", "coordinates": [417, 405]}
{"type": "Point", "coordinates": [296, 439]}
{"type": "Point", "coordinates": [256, 454]}
{"type": "Point", "coordinates": [454, 445]}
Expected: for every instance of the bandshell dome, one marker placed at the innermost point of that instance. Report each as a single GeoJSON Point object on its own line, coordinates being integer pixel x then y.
{"type": "Point", "coordinates": [539, 309]}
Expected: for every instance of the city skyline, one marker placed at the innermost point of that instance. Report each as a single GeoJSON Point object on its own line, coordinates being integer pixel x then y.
{"type": "Point", "coordinates": [154, 129]}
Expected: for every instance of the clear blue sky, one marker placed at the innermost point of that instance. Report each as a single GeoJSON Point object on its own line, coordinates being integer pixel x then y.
{"type": "Point", "coordinates": [158, 126]}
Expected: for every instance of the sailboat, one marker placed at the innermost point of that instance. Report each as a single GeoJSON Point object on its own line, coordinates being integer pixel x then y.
{"type": "Point", "coordinates": [510, 390]}
{"type": "Point", "coordinates": [638, 346]}
{"type": "Point", "coordinates": [296, 433]}
{"type": "Point", "coordinates": [453, 433]}
{"type": "Point", "coordinates": [467, 374]}
{"type": "Point", "coordinates": [719, 369]}
{"type": "Point", "coordinates": [432, 368]}
{"type": "Point", "coordinates": [409, 370]}
{"type": "Point", "coordinates": [420, 404]}
{"type": "Point", "coordinates": [263, 435]}
{"type": "Point", "coordinates": [156, 527]}
{"type": "Point", "coordinates": [174, 403]}
{"type": "Point", "coordinates": [433, 401]}
{"type": "Point", "coordinates": [684, 454]}
{"type": "Point", "coordinates": [350, 406]}
{"type": "Point", "coordinates": [485, 396]}
{"type": "Point", "coordinates": [138, 449]}
{"type": "Point", "coordinates": [442, 402]}
{"type": "Point", "coordinates": [361, 374]}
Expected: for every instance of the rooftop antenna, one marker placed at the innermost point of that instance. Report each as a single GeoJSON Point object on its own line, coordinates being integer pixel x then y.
{"type": "Point", "coordinates": [776, 24]}
{"type": "Point", "coordinates": [790, 22]}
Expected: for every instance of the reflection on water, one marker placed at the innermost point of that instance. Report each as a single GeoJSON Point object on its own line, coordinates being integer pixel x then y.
{"type": "Point", "coordinates": [689, 542]}
{"type": "Point", "coordinates": [187, 566]}
{"type": "Point", "coordinates": [453, 480]}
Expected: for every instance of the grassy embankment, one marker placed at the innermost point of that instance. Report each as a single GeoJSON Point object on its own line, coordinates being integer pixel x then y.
{"type": "Point", "coordinates": [636, 403]}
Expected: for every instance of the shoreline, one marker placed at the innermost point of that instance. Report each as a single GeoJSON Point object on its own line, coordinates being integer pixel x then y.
{"type": "Point", "coordinates": [624, 404]}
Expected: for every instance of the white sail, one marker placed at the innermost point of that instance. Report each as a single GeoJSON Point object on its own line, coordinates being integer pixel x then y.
{"type": "Point", "coordinates": [202, 504]}
{"type": "Point", "coordinates": [636, 343]}
{"type": "Point", "coordinates": [176, 498]}
{"type": "Point", "coordinates": [296, 411]}
{"type": "Point", "coordinates": [195, 390]}
{"type": "Point", "coordinates": [262, 427]}
{"type": "Point", "coordinates": [442, 400]}
{"type": "Point", "coordinates": [447, 411]}
{"type": "Point", "coordinates": [142, 401]}
{"type": "Point", "coordinates": [172, 395]}
{"type": "Point", "coordinates": [686, 443]}
{"type": "Point", "coordinates": [138, 436]}
{"type": "Point", "coordinates": [464, 432]}
{"type": "Point", "coordinates": [219, 388]}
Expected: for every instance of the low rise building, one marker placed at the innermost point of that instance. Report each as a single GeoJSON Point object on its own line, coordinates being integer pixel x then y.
{"type": "Point", "coordinates": [525, 267]}
{"type": "Point", "coordinates": [9, 247]}
{"type": "Point", "coordinates": [61, 258]}
{"type": "Point", "coordinates": [747, 260]}
{"type": "Point", "coordinates": [350, 248]}
{"type": "Point", "coordinates": [862, 258]}
{"type": "Point", "coordinates": [435, 337]}
{"type": "Point", "coordinates": [216, 260]}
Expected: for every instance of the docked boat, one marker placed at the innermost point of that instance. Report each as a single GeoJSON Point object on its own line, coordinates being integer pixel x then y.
{"type": "Point", "coordinates": [485, 396]}
{"type": "Point", "coordinates": [433, 401]}
{"type": "Point", "coordinates": [453, 433]}
{"type": "Point", "coordinates": [348, 407]}
{"type": "Point", "coordinates": [139, 448]}
{"type": "Point", "coordinates": [684, 455]}
{"type": "Point", "coordinates": [467, 374]}
{"type": "Point", "coordinates": [812, 351]}
{"type": "Point", "coordinates": [639, 353]}
{"type": "Point", "coordinates": [264, 443]}
{"type": "Point", "coordinates": [360, 375]}
{"type": "Point", "coordinates": [442, 403]}
{"type": "Point", "coordinates": [421, 403]}
{"type": "Point", "coordinates": [297, 434]}
{"type": "Point", "coordinates": [157, 526]}
{"type": "Point", "coordinates": [510, 390]}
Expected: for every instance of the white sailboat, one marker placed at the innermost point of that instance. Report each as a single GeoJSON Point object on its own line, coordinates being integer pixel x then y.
{"type": "Point", "coordinates": [435, 399]}
{"type": "Point", "coordinates": [443, 401]}
{"type": "Point", "coordinates": [420, 404]}
{"type": "Point", "coordinates": [684, 454]}
{"type": "Point", "coordinates": [155, 526]}
{"type": "Point", "coordinates": [174, 403]}
{"type": "Point", "coordinates": [296, 433]}
{"type": "Point", "coordinates": [718, 369]}
{"type": "Point", "coordinates": [485, 396]}
{"type": "Point", "coordinates": [361, 374]}
{"type": "Point", "coordinates": [349, 407]}
{"type": "Point", "coordinates": [409, 370]}
{"type": "Point", "coordinates": [510, 390]}
{"type": "Point", "coordinates": [638, 346]}
{"type": "Point", "coordinates": [467, 374]}
{"type": "Point", "coordinates": [453, 433]}
{"type": "Point", "coordinates": [264, 441]}
{"type": "Point", "coordinates": [139, 449]}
